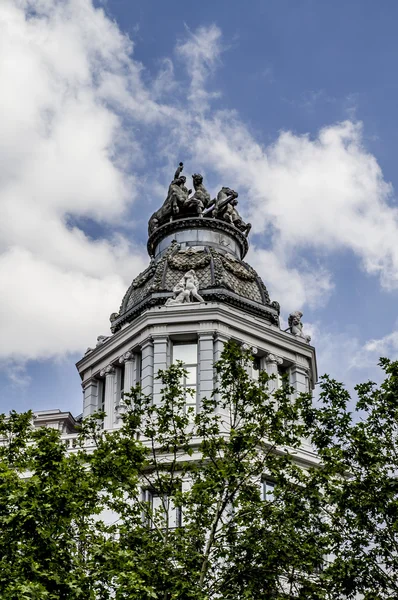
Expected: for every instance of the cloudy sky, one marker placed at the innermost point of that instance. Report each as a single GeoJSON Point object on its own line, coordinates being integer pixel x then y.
{"type": "Point", "coordinates": [293, 104]}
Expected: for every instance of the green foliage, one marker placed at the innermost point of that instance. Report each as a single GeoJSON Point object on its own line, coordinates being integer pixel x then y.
{"type": "Point", "coordinates": [328, 531]}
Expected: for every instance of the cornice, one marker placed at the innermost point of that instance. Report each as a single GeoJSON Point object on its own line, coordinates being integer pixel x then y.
{"type": "Point", "coordinates": [256, 331]}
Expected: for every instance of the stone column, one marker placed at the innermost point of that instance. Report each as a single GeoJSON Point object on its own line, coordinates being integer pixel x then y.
{"type": "Point", "coordinates": [130, 370]}
{"type": "Point", "coordinates": [90, 397]}
{"type": "Point", "coordinates": [219, 341]}
{"type": "Point", "coordinates": [147, 367]}
{"type": "Point", "coordinates": [109, 401]}
{"type": "Point", "coordinates": [160, 351]}
{"type": "Point", "coordinates": [272, 361]}
{"type": "Point", "coordinates": [299, 378]}
{"type": "Point", "coordinates": [205, 365]}
{"type": "Point", "coordinates": [128, 359]}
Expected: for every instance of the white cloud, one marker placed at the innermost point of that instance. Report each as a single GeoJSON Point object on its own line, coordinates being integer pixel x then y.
{"type": "Point", "coordinates": [69, 86]}
{"type": "Point", "coordinates": [63, 67]}
{"type": "Point", "coordinates": [297, 287]}
{"type": "Point", "coordinates": [326, 193]}
{"type": "Point", "coordinates": [201, 51]}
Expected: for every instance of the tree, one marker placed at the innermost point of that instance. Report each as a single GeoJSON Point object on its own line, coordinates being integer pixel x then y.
{"type": "Point", "coordinates": [215, 505]}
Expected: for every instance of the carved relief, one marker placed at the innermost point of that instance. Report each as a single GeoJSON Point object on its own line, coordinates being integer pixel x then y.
{"type": "Point", "coordinates": [238, 269]}
{"type": "Point", "coordinates": [189, 259]}
{"type": "Point", "coordinates": [186, 290]}
{"type": "Point", "coordinates": [109, 370]}
{"type": "Point", "coordinates": [144, 276]}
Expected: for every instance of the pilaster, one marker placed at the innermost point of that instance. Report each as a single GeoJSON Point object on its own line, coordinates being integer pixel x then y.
{"type": "Point", "coordinates": [90, 397]}
{"type": "Point", "coordinates": [272, 362]}
{"type": "Point", "coordinates": [160, 353]}
{"type": "Point", "coordinates": [299, 378]}
{"type": "Point", "coordinates": [205, 365]}
{"type": "Point", "coordinates": [219, 341]}
{"type": "Point", "coordinates": [128, 359]}
{"type": "Point", "coordinates": [147, 366]}
{"type": "Point", "coordinates": [109, 400]}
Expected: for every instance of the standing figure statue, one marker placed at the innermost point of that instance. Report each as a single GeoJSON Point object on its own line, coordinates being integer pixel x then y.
{"type": "Point", "coordinates": [186, 290]}
{"type": "Point", "coordinates": [176, 196]}
{"type": "Point", "coordinates": [201, 198]}
{"type": "Point", "coordinates": [296, 326]}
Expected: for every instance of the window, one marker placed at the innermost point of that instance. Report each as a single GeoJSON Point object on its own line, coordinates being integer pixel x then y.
{"type": "Point", "coordinates": [254, 369]}
{"type": "Point", "coordinates": [267, 490]}
{"type": "Point", "coordinates": [162, 509]}
{"type": "Point", "coordinates": [282, 376]}
{"type": "Point", "coordinates": [188, 354]}
{"type": "Point", "coordinates": [101, 397]}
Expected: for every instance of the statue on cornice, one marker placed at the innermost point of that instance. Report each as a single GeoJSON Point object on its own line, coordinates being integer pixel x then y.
{"type": "Point", "coordinates": [180, 204]}
{"type": "Point", "coordinates": [177, 195]}
{"type": "Point", "coordinates": [225, 209]}
{"type": "Point", "coordinates": [296, 326]}
{"type": "Point", "coordinates": [186, 290]}
{"type": "Point", "coordinates": [201, 198]}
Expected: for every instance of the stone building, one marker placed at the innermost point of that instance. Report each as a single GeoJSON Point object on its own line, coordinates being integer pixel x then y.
{"type": "Point", "coordinates": [196, 293]}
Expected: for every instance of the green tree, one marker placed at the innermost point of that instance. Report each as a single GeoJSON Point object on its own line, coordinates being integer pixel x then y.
{"type": "Point", "coordinates": [192, 519]}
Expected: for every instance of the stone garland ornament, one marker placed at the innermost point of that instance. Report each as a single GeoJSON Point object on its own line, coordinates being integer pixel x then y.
{"type": "Point", "coordinates": [180, 204]}
{"type": "Point", "coordinates": [189, 259]}
{"type": "Point", "coordinates": [186, 290]}
{"type": "Point", "coordinates": [296, 326]}
{"type": "Point", "coordinates": [238, 269]}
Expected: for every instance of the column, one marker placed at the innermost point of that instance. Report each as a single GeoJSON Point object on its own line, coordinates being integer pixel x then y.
{"type": "Point", "coordinates": [272, 361]}
{"type": "Point", "coordinates": [299, 378]}
{"type": "Point", "coordinates": [219, 341]}
{"type": "Point", "coordinates": [130, 370]}
{"type": "Point", "coordinates": [160, 351]}
{"type": "Point", "coordinates": [90, 397]}
{"type": "Point", "coordinates": [128, 359]}
{"type": "Point", "coordinates": [147, 367]}
{"type": "Point", "coordinates": [205, 366]}
{"type": "Point", "coordinates": [109, 400]}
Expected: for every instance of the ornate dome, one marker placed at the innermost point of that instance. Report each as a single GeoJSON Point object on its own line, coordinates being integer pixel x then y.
{"type": "Point", "coordinates": [205, 238]}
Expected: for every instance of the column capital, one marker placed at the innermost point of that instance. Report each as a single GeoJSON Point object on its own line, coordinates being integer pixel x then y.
{"type": "Point", "coordinates": [301, 369]}
{"type": "Point", "coordinates": [222, 337]}
{"type": "Point", "coordinates": [272, 358]}
{"type": "Point", "coordinates": [252, 349]}
{"type": "Point", "coordinates": [206, 335]}
{"type": "Point", "coordinates": [147, 342]}
{"type": "Point", "coordinates": [90, 381]}
{"type": "Point", "coordinates": [109, 370]}
{"type": "Point", "coordinates": [127, 356]}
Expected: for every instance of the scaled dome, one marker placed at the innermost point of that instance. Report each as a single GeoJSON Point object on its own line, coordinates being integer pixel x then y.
{"type": "Point", "coordinates": [195, 233]}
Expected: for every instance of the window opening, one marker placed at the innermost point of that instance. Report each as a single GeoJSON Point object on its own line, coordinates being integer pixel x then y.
{"type": "Point", "coordinates": [282, 376]}
{"type": "Point", "coordinates": [267, 490]}
{"type": "Point", "coordinates": [163, 509]}
{"type": "Point", "coordinates": [188, 354]}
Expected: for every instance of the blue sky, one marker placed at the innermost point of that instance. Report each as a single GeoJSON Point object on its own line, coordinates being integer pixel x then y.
{"type": "Point", "coordinates": [291, 103]}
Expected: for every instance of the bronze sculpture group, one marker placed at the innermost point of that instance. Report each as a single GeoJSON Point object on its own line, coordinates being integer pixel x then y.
{"type": "Point", "coordinates": [181, 203]}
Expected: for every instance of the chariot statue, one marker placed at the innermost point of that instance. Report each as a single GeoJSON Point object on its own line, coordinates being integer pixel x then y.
{"type": "Point", "coordinates": [180, 203]}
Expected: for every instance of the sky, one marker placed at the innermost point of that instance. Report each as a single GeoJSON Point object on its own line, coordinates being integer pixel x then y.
{"type": "Point", "coordinates": [291, 103]}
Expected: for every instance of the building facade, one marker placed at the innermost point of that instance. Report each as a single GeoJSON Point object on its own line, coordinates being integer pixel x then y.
{"type": "Point", "coordinates": [196, 293]}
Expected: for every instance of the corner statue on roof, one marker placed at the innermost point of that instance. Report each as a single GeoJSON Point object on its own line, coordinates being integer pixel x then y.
{"type": "Point", "coordinates": [296, 326]}
{"type": "Point", "coordinates": [180, 204]}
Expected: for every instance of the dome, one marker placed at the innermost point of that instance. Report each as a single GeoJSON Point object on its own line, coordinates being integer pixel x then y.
{"type": "Point", "coordinates": [201, 241]}
{"type": "Point", "coordinates": [213, 250]}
